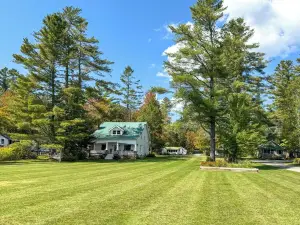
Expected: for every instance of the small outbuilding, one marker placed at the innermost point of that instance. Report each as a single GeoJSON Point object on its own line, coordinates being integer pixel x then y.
{"type": "Point", "coordinates": [5, 140]}
{"type": "Point", "coordinates": [174, 151]}
{"type": "Point", "coordinates": [271, 150]}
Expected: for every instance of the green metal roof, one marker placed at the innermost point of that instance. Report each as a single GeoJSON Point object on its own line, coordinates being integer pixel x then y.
{"type": "Point", "coordinates": [272, 146]}
{"type": "Point", "coordinates": [132, 130]}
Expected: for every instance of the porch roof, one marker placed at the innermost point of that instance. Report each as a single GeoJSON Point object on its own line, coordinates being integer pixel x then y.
{"type": "Point", "coordinates": [132, 130]}
{"type": "Point", "coordinates": [271, 145]}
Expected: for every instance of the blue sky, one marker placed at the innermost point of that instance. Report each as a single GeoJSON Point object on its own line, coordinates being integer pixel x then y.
{"type": "Point", "coordinates": [130, 32]}
{"type": "Point", "coordinates": [134, 32]}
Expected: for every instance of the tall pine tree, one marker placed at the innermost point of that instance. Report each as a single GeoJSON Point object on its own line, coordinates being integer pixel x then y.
{"type": "Point", "coordinates": [130, 91]}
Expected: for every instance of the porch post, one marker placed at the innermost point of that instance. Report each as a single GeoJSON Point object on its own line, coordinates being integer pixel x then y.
{"type": "Point", "coordinates": [106, 146]}
{"type": "Point", "coordinates": [117, 146]}
{"type": "Point", "coordinates": [135, 148]}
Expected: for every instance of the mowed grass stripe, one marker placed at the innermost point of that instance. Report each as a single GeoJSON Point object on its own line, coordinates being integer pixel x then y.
{"type": "Point", "coordinates": [153, 191]}
{"type": "Point", "coordinates": [175, 205]}
{"type": "Point", "coordinates": [264, 200]}
{"type": "Point", "coordinates": [119, 207]}
{"type": "Point", "coordinates": [101, 189]}
{"type": "Point", "coordinates": [39, 182]}
{"type": "Point", "coordinates": [64, 169]}
{"type": "Point", "coordinates": [67, 188]}
{"type": "Point", "coordinates": [218, 201]}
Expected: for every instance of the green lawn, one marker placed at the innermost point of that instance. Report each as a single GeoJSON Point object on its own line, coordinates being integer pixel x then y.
{"type": "Point", "coordinates": [153, 191]}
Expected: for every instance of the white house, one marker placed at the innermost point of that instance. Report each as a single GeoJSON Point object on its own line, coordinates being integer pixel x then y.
{"type": "Point", "coordinates": [174, 151]}
{"type": "Point", "coordinates": [122, 138]}
{"type": "Point", "coordinates": [5, 140]}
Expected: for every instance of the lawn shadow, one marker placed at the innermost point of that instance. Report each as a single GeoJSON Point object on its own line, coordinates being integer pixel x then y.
{"type": "Point", "coordinates": [24, 162]}
{"type": "Point", "coordinates": [146, 160]}
{"type": "Point", "coordinates": [267, 167]}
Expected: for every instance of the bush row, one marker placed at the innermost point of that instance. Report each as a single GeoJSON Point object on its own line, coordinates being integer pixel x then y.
{"type": "Point", "coordinates": [297, 161]}
{"type": "Point", "coordinates": [223, 163]}
{"type": "Point", "coordinates": [16, 151]}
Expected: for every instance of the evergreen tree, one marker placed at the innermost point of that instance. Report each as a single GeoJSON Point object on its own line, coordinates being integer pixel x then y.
{"type": "Point", "coordinates": [130, 91]}
{"type": "Point", "coordinates": [285, 115]}
{"type": "Point", "coordinates": [61, 59]}
{"type": "Point", "coordinates": [242, 126]}
{"type": "Point", "coordinates": [28, 112]}
{"type": "Point", "coordinates": [150, 112]}
{"type": "Point", "coordinates": [195, 68]}
{"type": "Point", "coordinates": [166, 106]}
{"type": "Point", "coordinates": [7, 78]}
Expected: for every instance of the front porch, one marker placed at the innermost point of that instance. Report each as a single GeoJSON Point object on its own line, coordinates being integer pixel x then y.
{"type": "Point", "coordinates": [114, 148]}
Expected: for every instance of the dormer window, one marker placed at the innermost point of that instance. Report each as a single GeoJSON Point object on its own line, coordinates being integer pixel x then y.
{"type": "Point", "coordinates": [116, 131]}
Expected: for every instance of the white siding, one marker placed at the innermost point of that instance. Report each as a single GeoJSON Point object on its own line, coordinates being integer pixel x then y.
{"type": "Point", "coordinates": [4, 140]}
{"type": "Point", "coordinates": [143, 143]}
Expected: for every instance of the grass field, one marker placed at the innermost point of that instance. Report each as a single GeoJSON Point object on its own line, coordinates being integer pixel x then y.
{"type": "Point", "coordinates": [153, 191]}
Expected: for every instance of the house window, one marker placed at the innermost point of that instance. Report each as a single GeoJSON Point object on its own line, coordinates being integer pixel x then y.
{"type": "Point", "coordinates": [2, 141]}
{"type": "Point", "coordinates": [127, 147]}
{"type": "Point", "coordinates": [103, 147]}
{"type": "Point", "coordinates": [279, 152]}
{"type": "Point", "coordinates": [116, 132]}
{"type": "Point", "coordinates": [267, 151]}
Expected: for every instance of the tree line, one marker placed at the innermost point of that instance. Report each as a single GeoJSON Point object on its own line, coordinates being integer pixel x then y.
{"type": "Point", "coordinates": [217, 74]}
{"type": "Point", "coordinates": [66, 93]}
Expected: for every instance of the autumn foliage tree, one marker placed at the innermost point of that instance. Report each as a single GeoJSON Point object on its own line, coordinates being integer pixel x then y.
{"type": "Point", "coordinates": [150, 112]}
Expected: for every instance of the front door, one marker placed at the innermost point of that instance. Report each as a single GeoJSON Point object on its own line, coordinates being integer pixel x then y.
{"type": "Point", "coordinates": [114, 148]}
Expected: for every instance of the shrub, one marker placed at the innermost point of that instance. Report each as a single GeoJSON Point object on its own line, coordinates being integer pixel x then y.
{"type": "Point", "coordinates": [117, 157]}
{"type": "Point", "coordinates": [223, 163]}
{"type": "Point", "coordinates": [297, 161]}
{"type": "Point", "coordinates": [217, 163]}
{"type": "Point", "coordinates": [102, 156]}
{"type": "Point", "coordinates": [18, 150]}
{"type": "Point", "coordinates": [68, 157]}
{"type": "Point", "coordinates": [81, 155]}
{"type": "Point", "coordinates": [130, 157]}
{"type": "Point", "coordinates": [151, 155]}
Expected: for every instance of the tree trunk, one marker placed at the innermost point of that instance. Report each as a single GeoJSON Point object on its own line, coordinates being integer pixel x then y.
{"type": "Point", "coordinates": [52, 102]}
{"type": "Point", "coordinates": [212, 139]}
{"type": "Point", "coordinates": [67, 76]}
{"type": "Point", "coordinates": [79, 68]}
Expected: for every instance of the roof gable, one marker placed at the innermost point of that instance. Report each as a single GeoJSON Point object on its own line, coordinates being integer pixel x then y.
{"type": "Point", "coordinates": [131, 130]}
{"type": "Point", "coordinates": [116, 127]}
{"type": "Point", "coordinates": [5, 136]}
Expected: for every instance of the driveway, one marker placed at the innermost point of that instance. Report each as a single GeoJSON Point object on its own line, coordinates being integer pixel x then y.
{"type": "Point", "coordinates": [279, 163]}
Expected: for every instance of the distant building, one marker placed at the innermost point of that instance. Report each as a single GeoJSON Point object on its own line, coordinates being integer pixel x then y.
{"type": "Point", "coordinates": [174, 151]}
{"type": "Point", "coordinates": [5, 140]}
{"type": "Point", "coordinates": [271, 150]}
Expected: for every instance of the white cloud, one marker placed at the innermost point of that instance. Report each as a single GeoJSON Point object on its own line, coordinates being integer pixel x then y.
{"type": "Point", "coordinates": [276, 23]}
{"type": "Point", "coordinates": [169, 34]}
{"type": "Point", "coordinates": [163, 74]}
{"type": "Point", "coordinates": [149, 40]}
{"type": "Point", "coordinates": [153, 65]}
{"type": "Point", "coordinates": [177, 104]}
